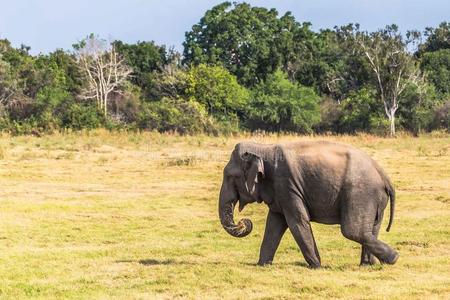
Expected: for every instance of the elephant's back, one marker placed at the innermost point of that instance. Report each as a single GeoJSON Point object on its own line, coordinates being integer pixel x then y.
{"type": "Point", "coordinates": [326, 171]}
{"type": "Point", "coordinates": [325, 156]}
{"type": "Point", "coordinates": [333, 159]}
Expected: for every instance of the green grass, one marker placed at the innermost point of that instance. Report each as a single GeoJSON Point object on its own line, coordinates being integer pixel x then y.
{"type": "Point", "coordinates": [134, 216]}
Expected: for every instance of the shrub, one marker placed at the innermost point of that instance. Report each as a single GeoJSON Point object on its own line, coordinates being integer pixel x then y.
{"type": "Point", "coordinates": [82, 116]}
{"type": "Point", "coordinates": [280, 105]}
{"type": "Point", "coordinates": [360, 111]}
{"type": "Point", "coordinates": [379, 125]}
{"type": "Point", "coordinates": [441, 118]}
{"type": "Point", "coordinates": [228, 125]}
{"type": "Point", "coordinates": [23, 127]}
{"type": "Point", "coordinates": [416, 110]}
{"type": "Point", "coordinates": [330, 113]}
{"type": "Point", "coordinates": [175, 115]}
{"type": "Point", "coordinates": [47, 108]}
{"type": "Point", "coordinates": [216, 89]}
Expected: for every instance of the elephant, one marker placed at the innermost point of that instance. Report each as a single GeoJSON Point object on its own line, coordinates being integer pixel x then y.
{"type": "Point", "coordinates": [303, 182]}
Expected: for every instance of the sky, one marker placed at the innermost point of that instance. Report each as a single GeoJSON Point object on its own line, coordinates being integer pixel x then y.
{"type": "Point", "coordinates": [46, 25]}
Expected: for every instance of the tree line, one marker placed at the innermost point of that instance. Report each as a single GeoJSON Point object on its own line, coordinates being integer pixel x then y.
{"type": "Point", "coordinates": [242, 68]}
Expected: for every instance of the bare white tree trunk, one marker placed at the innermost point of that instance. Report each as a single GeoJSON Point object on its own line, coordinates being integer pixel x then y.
{"type": "Point", "coordinates": [394, 69]}
{"type": "Point", "coordinates": [391, 118]}
{"type": "Point", "coordinates": [105, 70]}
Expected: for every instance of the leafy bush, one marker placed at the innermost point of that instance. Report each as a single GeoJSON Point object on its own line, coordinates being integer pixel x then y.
{"type": "Point", "coordinates": [21, 127]}
{"type": "Point", "coordinates": [379, 125]}
{"type": "Point", "coordinates": [280, 105]}
{"type": "Point", "coordinates": [416, 110]}
{"type": "Point", "coordinates": [170, 82]}
{"type": "Point", "coordinates": [82, 116]}
{"type": "Point", "coordinates": [330, 113]}
{"type": "Point", "coordinates": [216, 89]}
{"type": "Point", "coordinates": [229, 125]}
{"type": "Point", "coordinates": [441, 118]}
{"type": "Point", "coordinates": [176, 115]}
{"type": "Point", "coordinates": [47, 108]}
{"type": "Point", "coordinates": [360, 111]}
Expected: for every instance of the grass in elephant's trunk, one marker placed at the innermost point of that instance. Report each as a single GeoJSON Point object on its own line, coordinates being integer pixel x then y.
{"type": "Point", "coordinates": [115, 215]}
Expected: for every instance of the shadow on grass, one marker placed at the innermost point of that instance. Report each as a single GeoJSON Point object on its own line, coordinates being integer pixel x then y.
{"type": "Point", "coordinates": [305, 265]}
{"type": "Point", "coordinates": [297, 263]}
{"type": "Point", "coordinates": [155, 262]}
{"type": "Point", "coordinates": [341, 267]}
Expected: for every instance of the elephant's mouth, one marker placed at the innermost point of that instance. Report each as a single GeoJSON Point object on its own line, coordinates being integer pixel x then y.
{"type": "Point", "coordinates": [242, 203]}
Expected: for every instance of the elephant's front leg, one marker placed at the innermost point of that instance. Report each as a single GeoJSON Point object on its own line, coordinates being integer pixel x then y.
{"type": "Point", "coordinates": [275, 228]}
{"type": "Point", "coordinates": [297, 219]}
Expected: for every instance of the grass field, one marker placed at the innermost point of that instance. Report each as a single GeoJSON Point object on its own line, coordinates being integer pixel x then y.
{"type": "Point", "coordinates": [134, 216]}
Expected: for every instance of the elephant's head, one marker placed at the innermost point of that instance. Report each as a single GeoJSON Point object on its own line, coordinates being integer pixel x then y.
{"type": "Point", "coordinates": [241, 178]}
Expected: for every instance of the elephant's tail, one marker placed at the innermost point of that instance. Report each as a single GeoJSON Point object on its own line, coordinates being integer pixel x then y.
{"type": "Point", "coordinates": [391, 192]}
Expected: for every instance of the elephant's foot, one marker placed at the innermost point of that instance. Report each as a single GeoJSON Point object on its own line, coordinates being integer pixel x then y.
{"type": "Point", "coordinates": [314, 266]}
{"type": "Point", "coordinates": [368, 261]}
{"type": "Point", "coordinates": [392, 259]}
{"type": "Point", "coordinates": [264, 263]}
{"type": "Point", "coordinates": [313, 261]}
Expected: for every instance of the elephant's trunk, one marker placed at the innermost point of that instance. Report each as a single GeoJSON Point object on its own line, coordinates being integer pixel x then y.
{"type": "Point", "coordinates": [227, 201]}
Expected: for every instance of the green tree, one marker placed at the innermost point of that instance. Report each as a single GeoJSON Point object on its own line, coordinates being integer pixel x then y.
{"type": "Point", "coordinates": [68, 68]}
{"type": "Point", "coordinates": [21, 80]}
{"type": "Point", "coordinates": [346, 71]}
{"type": "Point", "coordinates": [17, 68]}
{"type": "Point", "coordinates": [437, 67]}
{"type": "Point", "coordinates": [144, 58]}
{"type": "Point", "coordinates": [216, 89]}
{"type": "Point", "coordinates": [437, 38]}
{"type": "Point", "coordinates": [280, 105]}
{"type": "Point", "coordinates": [244, 39]}
{"type": "Point", "coordinates": [8, 83]}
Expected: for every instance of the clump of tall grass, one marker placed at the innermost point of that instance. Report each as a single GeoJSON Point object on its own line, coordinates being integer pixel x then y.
{"type": "Point", "coordinates": [2, 152]}
{"type": "Point", "coordinates": [182, 161]}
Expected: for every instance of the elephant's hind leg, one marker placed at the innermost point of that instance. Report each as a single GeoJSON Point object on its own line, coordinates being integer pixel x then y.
{"type": "Point", "coordinates": [368, 258]}
{"type": "Point", "coordinates": [358, 225]}
{"type": "Point", "coordinates": [381, 250]}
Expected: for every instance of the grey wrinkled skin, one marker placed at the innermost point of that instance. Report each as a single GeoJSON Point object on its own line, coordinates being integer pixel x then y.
{"type": "Point", "coordinates": [307, 182]}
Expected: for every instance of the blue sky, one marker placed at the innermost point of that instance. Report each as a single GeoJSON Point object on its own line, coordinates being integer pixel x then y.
{"type": "Point", "coordinates": [49, 24]}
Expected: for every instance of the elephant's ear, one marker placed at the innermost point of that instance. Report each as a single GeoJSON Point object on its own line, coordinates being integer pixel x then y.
{"type": "Point", "coordinates": [253, 165]}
